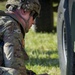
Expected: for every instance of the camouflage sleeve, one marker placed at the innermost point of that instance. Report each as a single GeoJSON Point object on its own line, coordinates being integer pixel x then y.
{"type": "Point", "coordinates": [8, 71]}
{"type": "Point", "coordinates": [13, 53]}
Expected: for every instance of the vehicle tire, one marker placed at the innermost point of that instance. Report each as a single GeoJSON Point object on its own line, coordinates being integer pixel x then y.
{"type": "Point", "coordinates": [66, 42]}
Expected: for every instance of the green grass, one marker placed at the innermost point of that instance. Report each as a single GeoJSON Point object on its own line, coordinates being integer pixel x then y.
{"type": "Point", "coordinates": [55, 19]}
{"type": "Point", "coordinates": [42, 51]}
{"type": "Point", "coordinates": [2, 5]}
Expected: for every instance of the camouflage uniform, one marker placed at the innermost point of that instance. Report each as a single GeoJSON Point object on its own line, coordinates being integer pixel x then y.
{"type": "Point", "coordinates": [12, 36]}
{"type": "Point", "coordinates": [8, 71]}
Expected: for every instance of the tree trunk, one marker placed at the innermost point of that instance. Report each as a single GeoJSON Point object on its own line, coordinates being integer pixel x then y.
{"type": "Point", "coordinates": [44, 23]}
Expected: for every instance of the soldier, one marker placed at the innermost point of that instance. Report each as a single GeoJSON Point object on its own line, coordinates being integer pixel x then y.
{"type": "Point", "coordinates": [15, 22]}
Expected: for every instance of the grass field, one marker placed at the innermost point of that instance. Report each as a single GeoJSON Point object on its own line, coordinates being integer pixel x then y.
{"type": "Point", "coordinates": [42, 51]}
{"type": "Point", "coordinates": [2, 5]}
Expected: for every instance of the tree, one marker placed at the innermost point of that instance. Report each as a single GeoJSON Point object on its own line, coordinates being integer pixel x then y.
{"type": "Point", "coordinates": [44, 23]}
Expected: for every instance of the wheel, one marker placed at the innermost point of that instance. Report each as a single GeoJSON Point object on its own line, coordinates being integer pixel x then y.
{"type": "Point", "coordinates": [66, 40]}
{"type": "Point", "coordinates": [65, 52]}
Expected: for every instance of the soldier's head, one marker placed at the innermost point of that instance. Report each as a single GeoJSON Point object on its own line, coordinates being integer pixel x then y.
{"type": "Point", "coordinates": [26, 5]}
{"type": "Point", "coordinates": [28, 9]}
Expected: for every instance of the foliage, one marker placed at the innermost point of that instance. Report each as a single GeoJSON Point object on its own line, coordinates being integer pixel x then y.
{"type": "Point", "coordinates": [2, 5]}
{"type": "Point", "coordinates": [42, 51]}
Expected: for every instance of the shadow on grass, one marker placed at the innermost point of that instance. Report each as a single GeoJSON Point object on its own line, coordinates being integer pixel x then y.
{"type": "Point", "coordinates": [44, 61]}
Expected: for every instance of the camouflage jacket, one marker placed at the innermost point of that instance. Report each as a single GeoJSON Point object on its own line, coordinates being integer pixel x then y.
{"type": "Point", "coordinates": [3, 24]}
